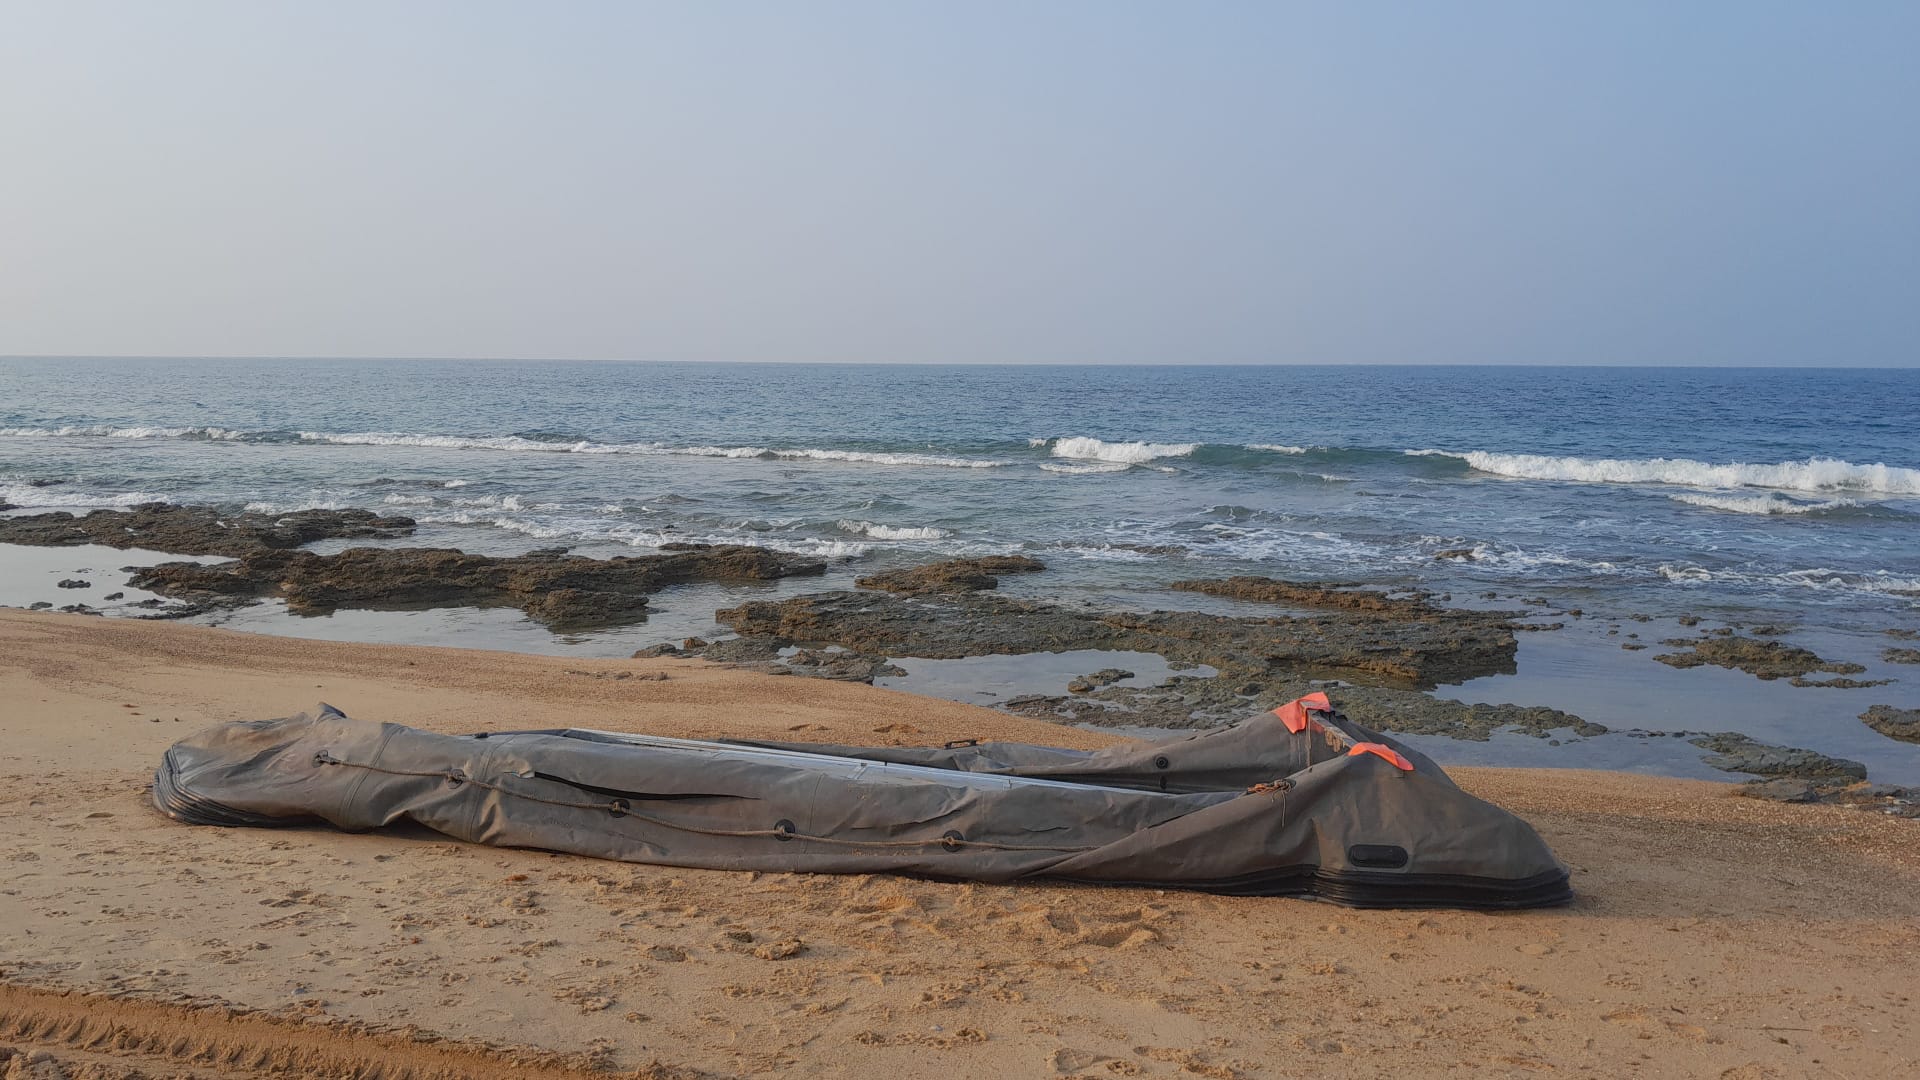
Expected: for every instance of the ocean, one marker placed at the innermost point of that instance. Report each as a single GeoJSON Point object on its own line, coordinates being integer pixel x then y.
{"type": "Point", "coordinates": [1740, 494]}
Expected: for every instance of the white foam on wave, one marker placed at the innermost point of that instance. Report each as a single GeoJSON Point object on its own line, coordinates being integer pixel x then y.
{"type": "Point", "coordinates": [1813, 474]}
{"type": "Point", "coordinates": [709, 451]}
{"type": "Point", "coordinates": [535, 529]}
{"type": "Point", "coordinates": [518, 443]}
{"type": "Point", "coordinates": [826, 549]}
{"type": "Point", "coordinates": [133, 431]}
{"type": "Point", "coordinates": [1769, 503]}
{"type": "Point", "coordinates": [409, 500]}
{"type": "Point", "coordinates": [1277, 448]}
{"type": "Point", "coordinates": [456, 483]}
{"type": "Point", "coordinates": [1127, 453]}
{"type": "Point", "coordinates": [514, 444]}
{"type": "Point", "coordinates": [1874, 581]}
{"type": "Point", "coordinates": [890, 532]}
{"type": "Point", "coordinates": [26, 495]}
{"type": "Point", "coordinates": [1520, 559]}
{"type": "Point", "coordinates": [1037, 443]}
{"type": "Point", "coordinates": [444, 442]}
{"type": "Point", "coordinates": [1086, 468]}
{"type": "Point", "coordinates": [493, 502]}
{"type": "Point", "coordinates": [267, 507]}
{"type": "Point", "coordinates": [935, 460]}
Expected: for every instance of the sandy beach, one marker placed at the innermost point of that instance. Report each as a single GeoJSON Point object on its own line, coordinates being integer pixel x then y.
{"type": "Point", "coordinates": [1712, 935]}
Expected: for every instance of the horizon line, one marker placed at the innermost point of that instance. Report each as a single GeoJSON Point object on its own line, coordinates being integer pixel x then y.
{"type": "Point", "coordinates": [1914, 365]}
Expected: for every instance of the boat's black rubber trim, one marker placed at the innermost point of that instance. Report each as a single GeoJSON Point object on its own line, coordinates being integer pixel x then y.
{"type": "Point", "coordinates": [1359, 888]}
{"type": "Point", "coordinates": [637, 796]}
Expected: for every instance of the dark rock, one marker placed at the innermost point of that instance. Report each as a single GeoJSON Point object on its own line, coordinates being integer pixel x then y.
{"type": "Point", "coordinates": [79, 609]}
{"type": "Point", "coordinates": [653, 651]}
{"type": "Point", "coordinates": [565, 590]}
{"type": "Point", "coordinates": [1335, 595]}
{"type": "Point", "coordinates": [1463, 554]}
{"type": "Point", "coordinates": [1762, 659]}
{"type": "Point", "coordinates": [1901, 724]}
{"type": "Point", "coordinates": [1883, 798]}
{"type": "Point", "coordinates": [1904, 635]}
{"type": "Point", "coordinates": [1901, 656]}
{"type": "Point", "coordinates": [952, 576]}
{"type": "Point", "coordinates": [744, 651]}
{"type": "Point", "coordinates": [1734, 752]}
{"type": "Point", "coordinates": [1689, 620]}
{"type": "Point", "coordinates": [1770, 629]}
{"type": "Point", "coordinates": [1098, 679]}
{"type": "Point", "coordinates": [1632, 646]}
{"type": "Point", "coordinates": [1781, 790]}
{"type": "Point", "coordinates": [1439, 646]}
{"type": "Point", "coordinates": [199, 530]}
{"type": "Point", "coordinates": [1186, 702]}
{"type": "Point", "coordinates": [39, 605]}
{"type": "Point", "coordinates": [72, 583]}
{"type": "Point", "coordinates": [1837, 683]}
{"type": "Point", "coordinates": [1271, 660]}
{"type": "Point", "coordinates": [840, 665]}
{"type": "Point", "coordinates": [693, 644]}
{"type": "Point", "coordinates": [115, 596]}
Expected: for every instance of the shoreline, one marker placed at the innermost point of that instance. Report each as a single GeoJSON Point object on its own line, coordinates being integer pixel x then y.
{"type": "Point", "coordinates": [1698, 920]}
{"type": "Point", "coordinates": [1497, 679]}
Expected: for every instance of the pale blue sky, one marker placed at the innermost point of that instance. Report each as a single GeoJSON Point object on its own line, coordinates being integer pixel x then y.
{"type": "Point", "coordinates": [1658, 183]}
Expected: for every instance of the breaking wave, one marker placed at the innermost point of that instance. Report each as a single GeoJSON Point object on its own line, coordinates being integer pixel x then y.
{"type": "Point", "coordinates": [826, 549]}
{"type": "Point", "coordinates": [1760, 504]}
{"type": "Point", "coordinates": [531, 443]}
{"type": "Point", "coordinates": [26, 495]}
{"type": "Point", "coordinates": [1879, 581]}
{"type": "Point", "coordinates": [889, 532]}
{"type": "Point", "coordinates": [1085, 468]}
{"type": "Point", "coordinates": [1813, 474]}
{"type": "Point", "coordinates": [936, 460]}
{"type": "Point", "coordinates": [1278, 448]}
{"type": "Point", "coordinates": [141, 431]}
{"type": "Point", "coordinates": [1126, 453]}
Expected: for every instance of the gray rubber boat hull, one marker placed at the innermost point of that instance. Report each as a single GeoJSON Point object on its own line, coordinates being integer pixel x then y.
{"type": "Point", "coordinates": [1322, 819]}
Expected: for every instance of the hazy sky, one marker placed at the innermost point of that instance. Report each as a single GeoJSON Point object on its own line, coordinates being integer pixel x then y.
{"type": "Point", "coordinates": [1039, 181]}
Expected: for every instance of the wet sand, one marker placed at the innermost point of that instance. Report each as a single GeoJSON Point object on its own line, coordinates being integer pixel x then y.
{"type": "Point", "coordinates": [1713, 935]}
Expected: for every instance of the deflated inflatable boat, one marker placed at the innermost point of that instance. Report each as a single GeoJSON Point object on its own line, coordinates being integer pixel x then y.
{"type": "Point", "coordinates": [1300, 802]}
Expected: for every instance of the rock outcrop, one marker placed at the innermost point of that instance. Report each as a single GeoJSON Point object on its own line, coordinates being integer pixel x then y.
{"type": "Point", "coordinates": [199, 530]}
{"type": "Point", "coordinates": [557, 589]}
{"type": "Point", "coordinates": [1901, 724]}
{"type": "Point", "coordinates": [952, 576]}
{"type": "Point", "coordinates": [1761, 659]}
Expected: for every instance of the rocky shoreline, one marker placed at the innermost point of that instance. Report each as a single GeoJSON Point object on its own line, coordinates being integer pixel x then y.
{"type": "Point", "coordinates": [1380, 652]}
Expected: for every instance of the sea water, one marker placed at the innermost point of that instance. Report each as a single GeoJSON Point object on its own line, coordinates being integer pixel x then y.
{"type": "Point", "coordinates": [1738, 494]}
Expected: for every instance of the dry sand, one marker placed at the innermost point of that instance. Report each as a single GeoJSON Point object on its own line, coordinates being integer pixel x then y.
{"type": "Point", "coordinates": [1713, 936]}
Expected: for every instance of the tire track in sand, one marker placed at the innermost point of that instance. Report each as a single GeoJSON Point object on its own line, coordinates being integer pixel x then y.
{"type": "Point", "coordinates": [55, 1033]}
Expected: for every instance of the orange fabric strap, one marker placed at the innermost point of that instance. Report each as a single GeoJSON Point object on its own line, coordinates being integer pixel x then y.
{"type": "Point", "coordinates": [1398, 759]}
{"type": "Point", "coordinates": [1294, 713]}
